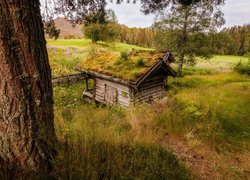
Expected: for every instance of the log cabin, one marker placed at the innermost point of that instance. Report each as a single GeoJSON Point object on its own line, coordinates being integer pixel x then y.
{"type": "Point", "coordinates": [139, 77]}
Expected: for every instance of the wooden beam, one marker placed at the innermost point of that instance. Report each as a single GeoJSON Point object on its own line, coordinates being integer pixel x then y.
{"type": "Point", "coordinates": [103, 76]}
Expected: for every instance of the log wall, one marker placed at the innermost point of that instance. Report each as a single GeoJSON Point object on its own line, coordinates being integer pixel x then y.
{"type": "Point", "coordinates": [150, 90]}
{"type": "Point", "coordinates": [68, 79]}
{"type": "Point", "coordinates": [122, 94]}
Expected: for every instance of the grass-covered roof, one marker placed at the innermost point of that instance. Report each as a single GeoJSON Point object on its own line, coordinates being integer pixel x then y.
{"type": "Point", "coordinates": [125, 66]}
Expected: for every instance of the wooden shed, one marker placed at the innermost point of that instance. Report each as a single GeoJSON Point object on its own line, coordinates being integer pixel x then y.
{"type": "Point", "coordinates": [140, 77]}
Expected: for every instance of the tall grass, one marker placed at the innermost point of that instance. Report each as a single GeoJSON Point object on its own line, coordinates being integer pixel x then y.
{"type": "Point", "coordinates": [216, 109]}
{"type": "Point", "coordinates": [210, 104]}
{"type": "Point", "coordinates": [101, 142]}
{"type": "Point", "coordinates": [109, 143]}
{"type": "Point", "coordinates": [63, 60]}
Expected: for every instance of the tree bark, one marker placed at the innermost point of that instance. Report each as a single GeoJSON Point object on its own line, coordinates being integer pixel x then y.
{"type": "Point", "coordinates": [27, 134]}
{"type": "Point", "coordinates": [180, 65]}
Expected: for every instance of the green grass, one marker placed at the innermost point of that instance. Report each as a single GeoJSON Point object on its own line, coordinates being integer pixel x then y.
{"type": "Point", "coordinates": [213, 109]}
{"type": "Point", "coordinates": [215, 65]}
{"type": "Point", "coordinates": [65, 43]}
{"type": "Point", "coordinates": [209, 105]}
{"type": "Point", "coordinates": [123, 65]}
{"type": "Point", "coordinates": [216, 109]}
{"type": "Point", "coordinates": [105, 143]}
{"type": "Point", "coordinates": [62, 61]}
{"type": "Point", "coordinates": [82, 43]}
{"type": "Point", "coordinates": [64, 55]}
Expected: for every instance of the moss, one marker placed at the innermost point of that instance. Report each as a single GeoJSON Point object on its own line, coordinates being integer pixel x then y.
{"type": "Point", "coordinates": [136, 64]}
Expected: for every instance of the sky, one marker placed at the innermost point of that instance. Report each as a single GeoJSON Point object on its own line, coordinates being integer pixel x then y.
{"type": "Point", "coordinates": [236, 12]}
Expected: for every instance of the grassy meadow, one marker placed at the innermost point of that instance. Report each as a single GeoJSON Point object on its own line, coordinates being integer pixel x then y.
{"type": "Point", "coordinates": [207, 112]}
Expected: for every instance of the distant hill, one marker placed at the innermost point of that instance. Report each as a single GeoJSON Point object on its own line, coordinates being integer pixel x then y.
{"type": "Point", "coordinates": [68, 29]}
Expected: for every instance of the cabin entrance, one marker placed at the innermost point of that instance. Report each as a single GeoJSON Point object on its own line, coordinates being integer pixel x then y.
{"type": "Point", "coordinates": [89, 87]}
{"type": "Point", "coordinates": [111, 95]}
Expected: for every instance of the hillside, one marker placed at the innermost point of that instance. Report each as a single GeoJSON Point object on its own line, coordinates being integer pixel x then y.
{"type": "Point", "coordinates": [67, 28]}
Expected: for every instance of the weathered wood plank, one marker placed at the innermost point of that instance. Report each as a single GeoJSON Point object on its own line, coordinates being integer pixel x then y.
{"type": "Point", "coordinates": [101, 82]}
{"type": "Point", "coordinates": [105, 77]}
{"type": "Point", "coordinates": [159, 81]}
{"type": "Point", "coordinates": [147, 95]}
{"type": "Point", "coordinates": [151, 87]}
{"type": "Point", "coordinates": [126, 101]}
{"type": "Point", "coordinates": [148, 91]}
{"type": "Point", "coordinates": [68, 79]}
{"type": "Point", "coordinates": [153, 96]}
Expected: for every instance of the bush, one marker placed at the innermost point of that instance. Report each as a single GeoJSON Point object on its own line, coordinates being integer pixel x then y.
{"type": "Point", "coordinates": [70, 36]}
{"type": "Point", "coordinates": [124, 55]}
{"type": "Point", "coordinates": [242, 68]}
{"type": "Point", "coordinates": [140, 62]}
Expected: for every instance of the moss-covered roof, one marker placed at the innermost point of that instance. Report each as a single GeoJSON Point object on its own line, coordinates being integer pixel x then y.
{"type": "Point", "coordinates": [136, 65]}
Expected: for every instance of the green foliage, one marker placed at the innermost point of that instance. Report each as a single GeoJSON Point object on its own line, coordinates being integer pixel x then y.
{"type": "Point", "coordinates": [243, 68]}
{"type": "Point", "coordinates": [137, 36]}
{"type": "Point", "coordinates": [240, 39]}
{"type": "Point", "coordinates": [116, 142]}
{"type": "Point", "coordinates": [63, 61]}
{"type": "Point", "coordinates": [210, 106]}
{"type": "Point", "coordinates": [99, 142]}
{"type": "Point", "coordinates": [231, 41]}
{"type": "Point", "coordinates": [217, 106]}
{"type": "Point", "coordinates": [101, 26]}
{"type": "Point", "coordinates": [124, 55]}
{"type": "Point", "coordinates": [102, 32]}
{"type": "Point", "coordinates": [51, 30]}
{"type": "Point", "coordinates": [93, 31]}
{"type": "Point", "coordinates": [177, 30]}
{"type": "Point", "coordinates": [222, 42]}
{"type": "Point", "coordinates": [64, 55]}
{"type": "Point", "coordinates": [140, 62]}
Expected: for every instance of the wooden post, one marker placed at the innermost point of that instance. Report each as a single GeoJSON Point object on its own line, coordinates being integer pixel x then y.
{"type": "Point", "coordinates": [87, 83]}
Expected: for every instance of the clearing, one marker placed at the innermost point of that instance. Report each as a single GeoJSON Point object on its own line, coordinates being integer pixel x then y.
{"type": "Point", "coordinates": [205, 123]}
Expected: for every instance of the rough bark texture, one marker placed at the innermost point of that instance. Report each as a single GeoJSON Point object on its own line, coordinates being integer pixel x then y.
{"type": "Point", "coordinates": [26, 106]}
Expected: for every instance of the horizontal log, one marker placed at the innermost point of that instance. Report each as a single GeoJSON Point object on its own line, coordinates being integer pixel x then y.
{"type": "Point", "coordinates": [68, 79]}
{"type": "Point", "coordinates": [105, 77]}
{"type": "Point", "coordinates": [159, 81]}
{"type": "Point", "coordinates": [154, 78]}
{"type": "Point", "coordinates": [152, 86]}
{"type": "Point", "coordinates": [102, 83]}
{"type": "Point", "coordinates": [125, 101]}
{"type": "Point", "coordinates": [153, 94]}
{"type": "Point", "coordinates": [149, 91]}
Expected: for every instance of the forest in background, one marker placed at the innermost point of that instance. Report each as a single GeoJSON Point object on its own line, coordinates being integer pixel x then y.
{"type": "Point", "coordinates": [228, 41]}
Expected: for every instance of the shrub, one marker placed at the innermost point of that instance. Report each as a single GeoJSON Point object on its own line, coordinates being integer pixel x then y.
{"type": "Point", "coordinates": [124, 55]}
{"type": "Point", "coordinates": [70, 36]}
{"type": "Point", "coordinates": [242, 68]}
{"type": "Point", "coordinates": [140, 62]}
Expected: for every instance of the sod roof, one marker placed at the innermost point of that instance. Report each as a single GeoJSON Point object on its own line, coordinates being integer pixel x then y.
{"type": "Point", "coordinates": [132, 68]}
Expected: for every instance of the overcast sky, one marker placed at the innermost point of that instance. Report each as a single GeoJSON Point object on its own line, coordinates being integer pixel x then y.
{"type": "Point", "coordinates": [237, 12]}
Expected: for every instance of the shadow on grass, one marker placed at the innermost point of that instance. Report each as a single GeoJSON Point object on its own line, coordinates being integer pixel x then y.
{"type": "Point", "coordinates": [102, 160]}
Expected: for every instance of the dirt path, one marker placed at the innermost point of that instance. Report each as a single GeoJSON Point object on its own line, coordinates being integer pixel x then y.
{"type": "Point", "coordinates": [206, 163]}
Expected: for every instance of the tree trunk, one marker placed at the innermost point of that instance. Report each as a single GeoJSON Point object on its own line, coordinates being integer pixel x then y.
{"type": "Point", "coordinates": [27, 134]}
{"type": "Point", "coordinates": [180, 65]}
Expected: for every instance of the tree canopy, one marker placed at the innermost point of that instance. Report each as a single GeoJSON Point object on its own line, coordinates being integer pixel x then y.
{"type": "Point", "coordinates": [101, 26]}
{"type": "Point", "coordinates": [183, 28]}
